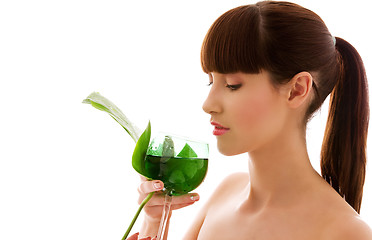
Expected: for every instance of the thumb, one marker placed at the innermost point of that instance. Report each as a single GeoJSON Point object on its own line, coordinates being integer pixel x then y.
{"type": "Point", "coordinates": [133, 237]}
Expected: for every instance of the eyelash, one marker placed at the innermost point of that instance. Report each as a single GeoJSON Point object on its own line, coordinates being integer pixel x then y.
{"type": "Point", "coordinates": [231, 87]}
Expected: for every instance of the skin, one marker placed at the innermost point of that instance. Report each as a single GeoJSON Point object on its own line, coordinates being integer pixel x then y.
{"type": "Point", "coordinates": [282, 197]}
{"type": "Point", "coordinates": [154, 208]}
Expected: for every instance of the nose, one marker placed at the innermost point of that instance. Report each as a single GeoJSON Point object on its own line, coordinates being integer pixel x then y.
{"type": "Point", "coordinates": [213, 102]}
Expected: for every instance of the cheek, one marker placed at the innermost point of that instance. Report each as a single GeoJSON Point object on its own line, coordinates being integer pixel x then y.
{"type": "Point", "coordinates": [259, 118]}
{"type": "Point", "coordinates": [254, 112]}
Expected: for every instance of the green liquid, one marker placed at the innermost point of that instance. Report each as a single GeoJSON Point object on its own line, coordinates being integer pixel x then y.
{"type": "Point", "coordinates": [179, 175]}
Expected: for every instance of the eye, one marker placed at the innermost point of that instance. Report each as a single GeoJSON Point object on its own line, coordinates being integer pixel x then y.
{"type": "Point", "coordinates": [233, 87]}
{"type": "Point", "coordinates": [210, 79]}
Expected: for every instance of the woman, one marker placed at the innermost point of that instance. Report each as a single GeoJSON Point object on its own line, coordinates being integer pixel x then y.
{"type": "Point", "coordinates": [271, 65]}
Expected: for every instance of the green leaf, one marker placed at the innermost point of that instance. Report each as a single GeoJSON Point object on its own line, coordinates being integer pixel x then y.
{"type": "Point", "coordinates": [103, 104]}
{"type": "Point", "coordinates": [142, 140]}
{"type": "Point", "coordinates": [139, 153]}
{"type": "Point", "coordinates": [187, 152]}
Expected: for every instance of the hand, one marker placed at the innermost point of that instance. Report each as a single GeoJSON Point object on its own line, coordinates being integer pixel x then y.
{"type": "Point", "coordinates": [135, 237]}
{"type": "Point", "coordinates": [154, 207]}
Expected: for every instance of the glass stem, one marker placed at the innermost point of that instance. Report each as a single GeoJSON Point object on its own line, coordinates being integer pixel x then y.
{"type": "Point", "coordinates": [165, 217]}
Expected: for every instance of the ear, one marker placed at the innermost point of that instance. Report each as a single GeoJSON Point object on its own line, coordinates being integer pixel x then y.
{"type": "Point", "coordinates": [299, 91]}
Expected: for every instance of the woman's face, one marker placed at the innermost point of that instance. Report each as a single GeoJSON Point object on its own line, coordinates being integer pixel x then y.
{"type": "Point", "coordinates": [245, 109]}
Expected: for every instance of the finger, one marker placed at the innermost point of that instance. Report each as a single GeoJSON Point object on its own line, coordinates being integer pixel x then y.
{"type": "Point", "coordinates": [179, 206]}
{"type": "Point", "coordinates": [184, 199]}
{"type": "Point", "coordinates": [158, 199]}
{"type": "Point", "coordinates": [150, 186]}
{"type": "Point", "coordinates": [156, 211]}
{"type": "Point", "coordinates": [159, 208]}
{"type": "Point", "coordinates": [143, 178]}
{"type": "Point", "coordinates": [133, 237]}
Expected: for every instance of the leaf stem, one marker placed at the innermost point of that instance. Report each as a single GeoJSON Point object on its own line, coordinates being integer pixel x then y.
{"type": "Point", "coordinates": [137, 214]}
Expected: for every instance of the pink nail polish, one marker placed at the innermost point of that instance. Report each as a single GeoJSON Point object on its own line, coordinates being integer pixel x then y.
{"type": "Point", "coordinates": [157, 185]}
{"type": "Point", "coordinates": [194, 197]}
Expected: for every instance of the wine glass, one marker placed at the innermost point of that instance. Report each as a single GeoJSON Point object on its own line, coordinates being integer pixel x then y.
{"type": "Point", "coordinates": [181, 164]}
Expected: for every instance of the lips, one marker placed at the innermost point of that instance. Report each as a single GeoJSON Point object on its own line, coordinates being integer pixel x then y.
{"type": "Point", "coordinates": [219, 129]}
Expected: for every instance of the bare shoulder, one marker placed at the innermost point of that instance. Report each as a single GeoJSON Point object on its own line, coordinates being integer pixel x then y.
{"type": "Point", "coordinates": [349, 228]}
{"type": "Point", "coordinates": [231, 183]}
{"type": "Point", "coordinates": [342, 221]}
{"type": "Point", "coordinates": [238, 178]}
{"type": "Point", "coordinates": [228, 186]}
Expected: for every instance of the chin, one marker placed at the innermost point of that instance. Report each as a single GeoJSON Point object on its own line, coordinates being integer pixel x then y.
{"type": "Point", "coordinates": [233, 148]}
{"type": "Point", "coordinates": [229, 150]}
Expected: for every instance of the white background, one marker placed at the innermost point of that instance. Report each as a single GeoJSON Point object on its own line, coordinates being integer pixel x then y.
{"type": "Point", "coordinates": [65, 170]}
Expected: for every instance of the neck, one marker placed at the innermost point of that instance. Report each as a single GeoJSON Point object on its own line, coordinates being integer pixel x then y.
{"type": "Point", "coordinates": [280, 170]}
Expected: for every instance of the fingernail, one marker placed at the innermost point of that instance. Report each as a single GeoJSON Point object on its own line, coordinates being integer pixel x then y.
{"type": "Point", "coordinates": [157, 185]}
{"type": "Point", "coordinates": [194, 197]}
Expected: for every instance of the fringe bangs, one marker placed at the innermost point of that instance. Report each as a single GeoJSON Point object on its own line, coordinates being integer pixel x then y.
{"type": "Point", "coordinates": [225, 48]}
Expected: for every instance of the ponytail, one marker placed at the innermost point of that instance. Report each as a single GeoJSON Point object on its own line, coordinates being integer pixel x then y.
{"type": "Point", "coordinates": [343, 155]}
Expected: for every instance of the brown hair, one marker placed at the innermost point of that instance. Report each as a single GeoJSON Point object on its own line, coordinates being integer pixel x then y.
{"type": "Point", "coordinates": [285, 39]}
